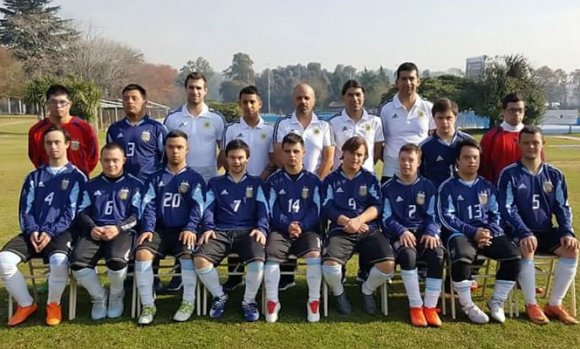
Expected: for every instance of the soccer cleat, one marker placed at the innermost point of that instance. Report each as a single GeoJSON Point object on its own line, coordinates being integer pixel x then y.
{"type": "Point", "coordinates": [218, 305]}
{"type": "Point", "coordinates": [233, 282]}
{"type": "Point", "coordinates": [432, 317]}
{"type": "Point", "coordinates": [272, 310]}
{"type": "Point", "coordinates": [418, 317]}
{"type": "Point", "coordinates": [116, 305]}
{"type": "Point", "coordinates": [22, 314]}
{"type": "Point", "coordinates": [251, 313]}
{"type": "Point", "coordinates": [313, 311]}
{"type": "Point", "coordinates": [369, 304]}
{"type": "Point", "coordinates": [536, 314]}
{"type": "Point", "coordinates": [184, 312]}
{"type": "Point", "coordinates": [99, 308]}
{"type": "Point", "coordinates": [147, 315]}
{"type": "Point", "coordinates": [53, 314]}
{"type": "Point", "coordinates": [558, 312]}
{"type": "Point", "coordinates": [476, 315]}
{"type": "Point", "coordinates": [496, 310]}
{"type": "Point", "coordinates": [343, 304]}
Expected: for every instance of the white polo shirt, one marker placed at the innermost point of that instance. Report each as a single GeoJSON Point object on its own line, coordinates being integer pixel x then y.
{"type": "Point", "coordinates": [203, 132]}
{"type": "Point", "coordinates": [317, 135]}
{"type": "Point", "coordinates": [258, 138]}
{"type": "Point", "coordinates": [401, 126]}
{"type": "Point", "coordinates": [344, 127]}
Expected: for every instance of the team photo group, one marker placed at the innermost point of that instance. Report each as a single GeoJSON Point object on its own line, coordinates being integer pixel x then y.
{"type": "Point", "coordinates": [304, 187]}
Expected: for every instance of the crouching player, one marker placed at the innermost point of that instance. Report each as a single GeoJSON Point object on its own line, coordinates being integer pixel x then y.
{"type": "Point", "coordinates": [409, 219]}
{"type": "Point", "coordinates": [235, 220]}
{"type": "Point", "coordinates": [531, 192]}
{"type": "Point", "coordinates": [294, 201]}
{"type": "Point", "coordinates": [109, 212]}
{"type": "Point", "coordinates": [352, 203]}
{"type": "Point", "coordinates": [172, 211]}
{"type": "Point", "coordinates": [468, 210]}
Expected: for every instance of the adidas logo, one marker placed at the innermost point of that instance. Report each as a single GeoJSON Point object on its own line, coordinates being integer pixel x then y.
{"type": "Point", "coordinates": [240, 135]}
{"type": "Point", "coordinates": [439, 158]}
{"type": "Point", "coordinates": [339, 190]}
{"type": "Point", "coordinates": [160, 184]}
{"type": "Point", "coordinates": [98, 193]}
{"type": "Point", "coordinates": [460, 198]}
{"type": "Point", "coordinates": [522, 186]}
{"type": "Point", "coordinates": [282, 192]}
{"type": "Point", "coordinates": [224, 192]}
{"type": "Point", "coordinates": [120, 135]}
{"type": "Point", "coordinates": [399, 199]}
{"type": "Point", "coordinates": [395, 116]}
{"type": "Point", "coordinates": [41, 184]}
{"type": "Point", "coordinates": [182, 124]}
{"type": "Point", "coordinates": [344, 129]}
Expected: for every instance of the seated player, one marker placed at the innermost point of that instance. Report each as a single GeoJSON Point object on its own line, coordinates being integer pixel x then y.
{"type": "Point", "coordinates": [531, 192]}
{"type": "Point", "coordinates": [109, 212]}
{"type": "Point", "coordinates": [409, 219]}
{"type": "Point", "coordinates": [48, 205]}
{"type": "Point", "coordinates": [352, 203]}
{"type": "Point", "coordinates": [172, 206]}
{"type": "Point", "coordinates": [469, 212]}
{"type": "Point", "coordinates": [235, 220]}
{"type": "Point", "coordinates": [294, 198]}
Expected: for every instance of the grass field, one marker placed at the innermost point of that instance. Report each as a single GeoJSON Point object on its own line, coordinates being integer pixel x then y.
{"type": "Point", "coordinates": [356, 331]}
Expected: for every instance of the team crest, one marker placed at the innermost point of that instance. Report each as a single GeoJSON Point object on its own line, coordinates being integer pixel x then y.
{"type": "Point", "coordinates": [368, 127]}
{"type": "Point", "coordinates": [263, 135]}
{"type": "Point", "coordinates": [548, 187]}
{"type": "Point", "coordinates": [123, 194]}
{"type": "Point", "coordinates": [183, 187]}
{"type": "Point", "coordinates": [363, 190]}
{"type": "Point", "coordinates": [305, 193]}
{"type": "Point", "coordinates": [316, 131]}
{"type": "Point", "coordinates": [206, 124]}
{"type": "Point", "coordinates": [249, 192]}
{"type": "Point", "coordinates": [75, 145]}
{"type": "Point", "coordinates": [64, 184]}
{"type": "Point", "coordinates": [145, 136]}
{"type": "Point", "coordinates": [420, 199]}
{"type": "Point", "coordinates": [482, 198]}
{"type": "Point", "coordinates": [421, 114]}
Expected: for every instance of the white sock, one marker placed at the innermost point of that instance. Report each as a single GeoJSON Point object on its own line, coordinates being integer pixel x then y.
{"type": "Point", "coordinates": [144, 277]}
{"type": "Point", "coordinates": [272, 280]}
{"type": "Point", "coordinates": [563, 277]}
{"type": "Point", "coordinates": [313, 278]}
{"type": "Point", "coordinates": [502, 289]}
{"type": "Point", "coordinates": [463, 290]}
{"type": "Point", "coordinates": [13, 278]}
{"type": "Point", "coordinates": [210, 278]}
{"type": "Point", "coordinates": [376, 278]}
{"type": "Point", "coordinates": [527, 279]}
{"type": "Point", "coordinates": [57, 277]}
{"type": "Point", "coordinates": [253, 281]}
{"type": "Point", "coordinates": [432, 292]}
{"type": "Point", "coordinates": [117, 280]}
{"type": "Point", "coordinates": [189, 279]}
{"type": "Point", "coordinates": [411, 282]}
{"type": "Point", "coordinates": [88, 278]}
{"type": "Point", "coordinates": [333, 276]}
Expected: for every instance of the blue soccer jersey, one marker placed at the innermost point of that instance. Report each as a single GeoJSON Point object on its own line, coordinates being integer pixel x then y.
{"type": "Point", "coordinates": [50, 198]}
{"type": "Point", "coordinates": [528, 201]}
{"type": "Point", "coordinates": [236, 206]}
{"type": "Point", "coordinates": [111, 201]}
{"type": "Point", "coordinates": [409, 207]}
{"type": "Point", "coordinates": [173, 200]}
{"type": "Point", "coordinates": [143, 144]}
{"type": "Point", "coordinates": [293, 200]}
{"type": "Point", "coordinates": [350, 197]}
{"type": "Point", "coordinates": [438, 157]}
{"type": "Point", "coordinates": [465, 206]}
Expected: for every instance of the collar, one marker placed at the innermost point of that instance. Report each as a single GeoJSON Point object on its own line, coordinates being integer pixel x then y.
{"type": "Point", "coordinates": [294, 119]}
{"type": "Point", "coordinates": [231, 179]}
{"type": "Point", "coordinates": [204, 110]}
{"type": "Point", "coordinates": [137, 124]}
{"type": "Point", "coordinates": [245, 125]}
{"type": "Point", "coordinates": [178, 172]}
{"type": "Point", "coordinates": [399, 180]}
{"type": "Point", "coordinates": [468, 183]}
{"type": "Point", "coordinates": [342, 173]}
{"type": "Point", "coordinates": [398, 103]}
{"type": "Point", "coordinates": [346, 117]}
{"type": "Point", "coordinates": [509, 128]}
{"type": "Point", "coordinates": [289, 176]}
{"type": "Point", "coordinates": [526, 170]}
{"type": "Point", "coordinates": [112, 180]}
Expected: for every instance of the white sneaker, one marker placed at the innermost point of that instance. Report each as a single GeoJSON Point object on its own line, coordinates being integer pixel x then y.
{"type": "Point", "coordinates": [496, 310]}
{"type": "Point", "coordinates": [272, 310]}
{"type": "Point", "coordinates": [184, 312]}
{"type": "Point", "coordinates": [99, 308]}
{"type": "Point", "coordinates": [476, 315]}
{"type": "Point", "coordinates": [313, 310]}
{"type": "Point", "coordinates": [116, 305]}
{"type": "Point", "coordinates": [147, 315]}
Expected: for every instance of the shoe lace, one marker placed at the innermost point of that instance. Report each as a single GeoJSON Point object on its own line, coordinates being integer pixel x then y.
{"type": "Point", "coordinates": [251, 307]}
{"type": "Point", "coordinates": [186, 307]}
{"type": "Point", "coordinates": [219, 302]}
{"type": "Point", "coordinates": [147, 311]}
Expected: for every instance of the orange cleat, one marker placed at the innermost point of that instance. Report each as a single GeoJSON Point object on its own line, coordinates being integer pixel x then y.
{"type": "Point", "coordinates": [558, 312]}
{"type": "Point", "coordinates": [22, 314]}
{"type": "Point", "coordinates": [474, 286]}
{"type": "Point", "coordinates": [418, 317]}
{"type": "Point", "coordinates": [53, 314]}
{"type": "Point", "coordinates": [536, 314]}
{"type": "Point", "coordinates": [432, 317]}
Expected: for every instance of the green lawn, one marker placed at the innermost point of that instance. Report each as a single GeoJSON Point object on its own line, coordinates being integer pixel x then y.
{"type": "Point", "coordinates": [356, 331]}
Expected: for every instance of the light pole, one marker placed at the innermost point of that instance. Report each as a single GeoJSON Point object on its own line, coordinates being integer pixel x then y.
{"type": "Point", "coordinates": [269, 80]}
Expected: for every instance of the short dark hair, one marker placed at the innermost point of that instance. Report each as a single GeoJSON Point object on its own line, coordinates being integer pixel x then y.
{"type": "Point", "coordinates": [292, 139]}
{"type": "Point", "coordinates": [353, 143]}
{"type": "Point", "coordinates": [175, 134]}
{"type": "Point", "coordinates": [250, 90]}
{"type": "Point", "coordinates": [57, 90]}
{"type": "Point", "coordinates": [409, 148]}
{"type": "Point", "coordinates": [532, 130]}
{"type": "Point", "coordinates": [443, 105]}
{"type": "Point", "coordinates": [59, 129]}
{"type": "Point", "coordinates": [112, 146]}
{"type": "Point", "coordinates": [510, 98]}
{"type": "Point", "coordinates": [407, 66]}
{"type": "Point", "coordinates": [467, 143]}
{"type": "Point", "coordinates": [135, 87]}
{"type": "Point", "coordinates": [351, 84]}
{"type": "Point", "coordinates": [195, 76]}
{"type": "Point", "coordinates": [236, 144]}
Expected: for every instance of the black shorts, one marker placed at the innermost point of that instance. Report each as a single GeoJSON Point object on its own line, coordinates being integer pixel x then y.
{"type": "Point", "coordinates": [22, 246]}
{"type": "Point", "coordinates": [463, 248]}
{"type": "Point", "coordinates": [280, 245]}
{"type": "Point", "coordinates": [228, 241]}
{"type": "Point", "coordinates": [420, 249]}
{"type": "Point", "coordinates": [548, 240]}
{"type": "Point", "coordinates": [87, 252]}
{"type": "Point", "coordinates": [166, 242]}
{"type": "Point", "coordinates": [372, 247]}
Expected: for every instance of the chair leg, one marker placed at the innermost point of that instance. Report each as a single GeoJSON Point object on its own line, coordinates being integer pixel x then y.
{"type": "Point", "coordinates": [572, 292]}
{"type": "Point", "coordinates": [10, 306]}
{"type": "Point", "coordinates": [198, 298]}
{"type": "Point", "coordinates": [72, 298]}
{"type": "Point", "coordinates": [204, 301]}
{"type": "Point", "coordinates": [134, 304]}
{"type": "Point", "coordinates": [549, 278]}
{"type": "Point", "coordinates": [385, 298]}
{"type": "Point", "coordinates": [324, 298]}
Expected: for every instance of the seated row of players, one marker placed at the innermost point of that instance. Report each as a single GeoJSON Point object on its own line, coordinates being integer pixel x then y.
{"type": "Point", "coordinates": [234, 217]}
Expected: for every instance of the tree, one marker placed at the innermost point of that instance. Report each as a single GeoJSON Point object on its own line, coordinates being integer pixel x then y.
{"type": "Point", "coordinates": [158, 80]}
{"type": "Point", "coordinates": [11, 74]}
{"type": "Point", "coordinates": [230, 111]}
{"type": "Point", "coordinates": [200, 65]}
{"type": "Point", "coordinates": [241, 69]}
{"type": "Point", "coordinates": [36, 35]}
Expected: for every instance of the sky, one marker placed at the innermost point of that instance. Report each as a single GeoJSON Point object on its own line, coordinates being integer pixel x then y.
{"type": "Point", "coordinates": [436, 35]}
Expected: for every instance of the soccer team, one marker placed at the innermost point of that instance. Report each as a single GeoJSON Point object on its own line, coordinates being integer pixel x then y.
{"type": "Point", "coordinates": [304, 187]}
